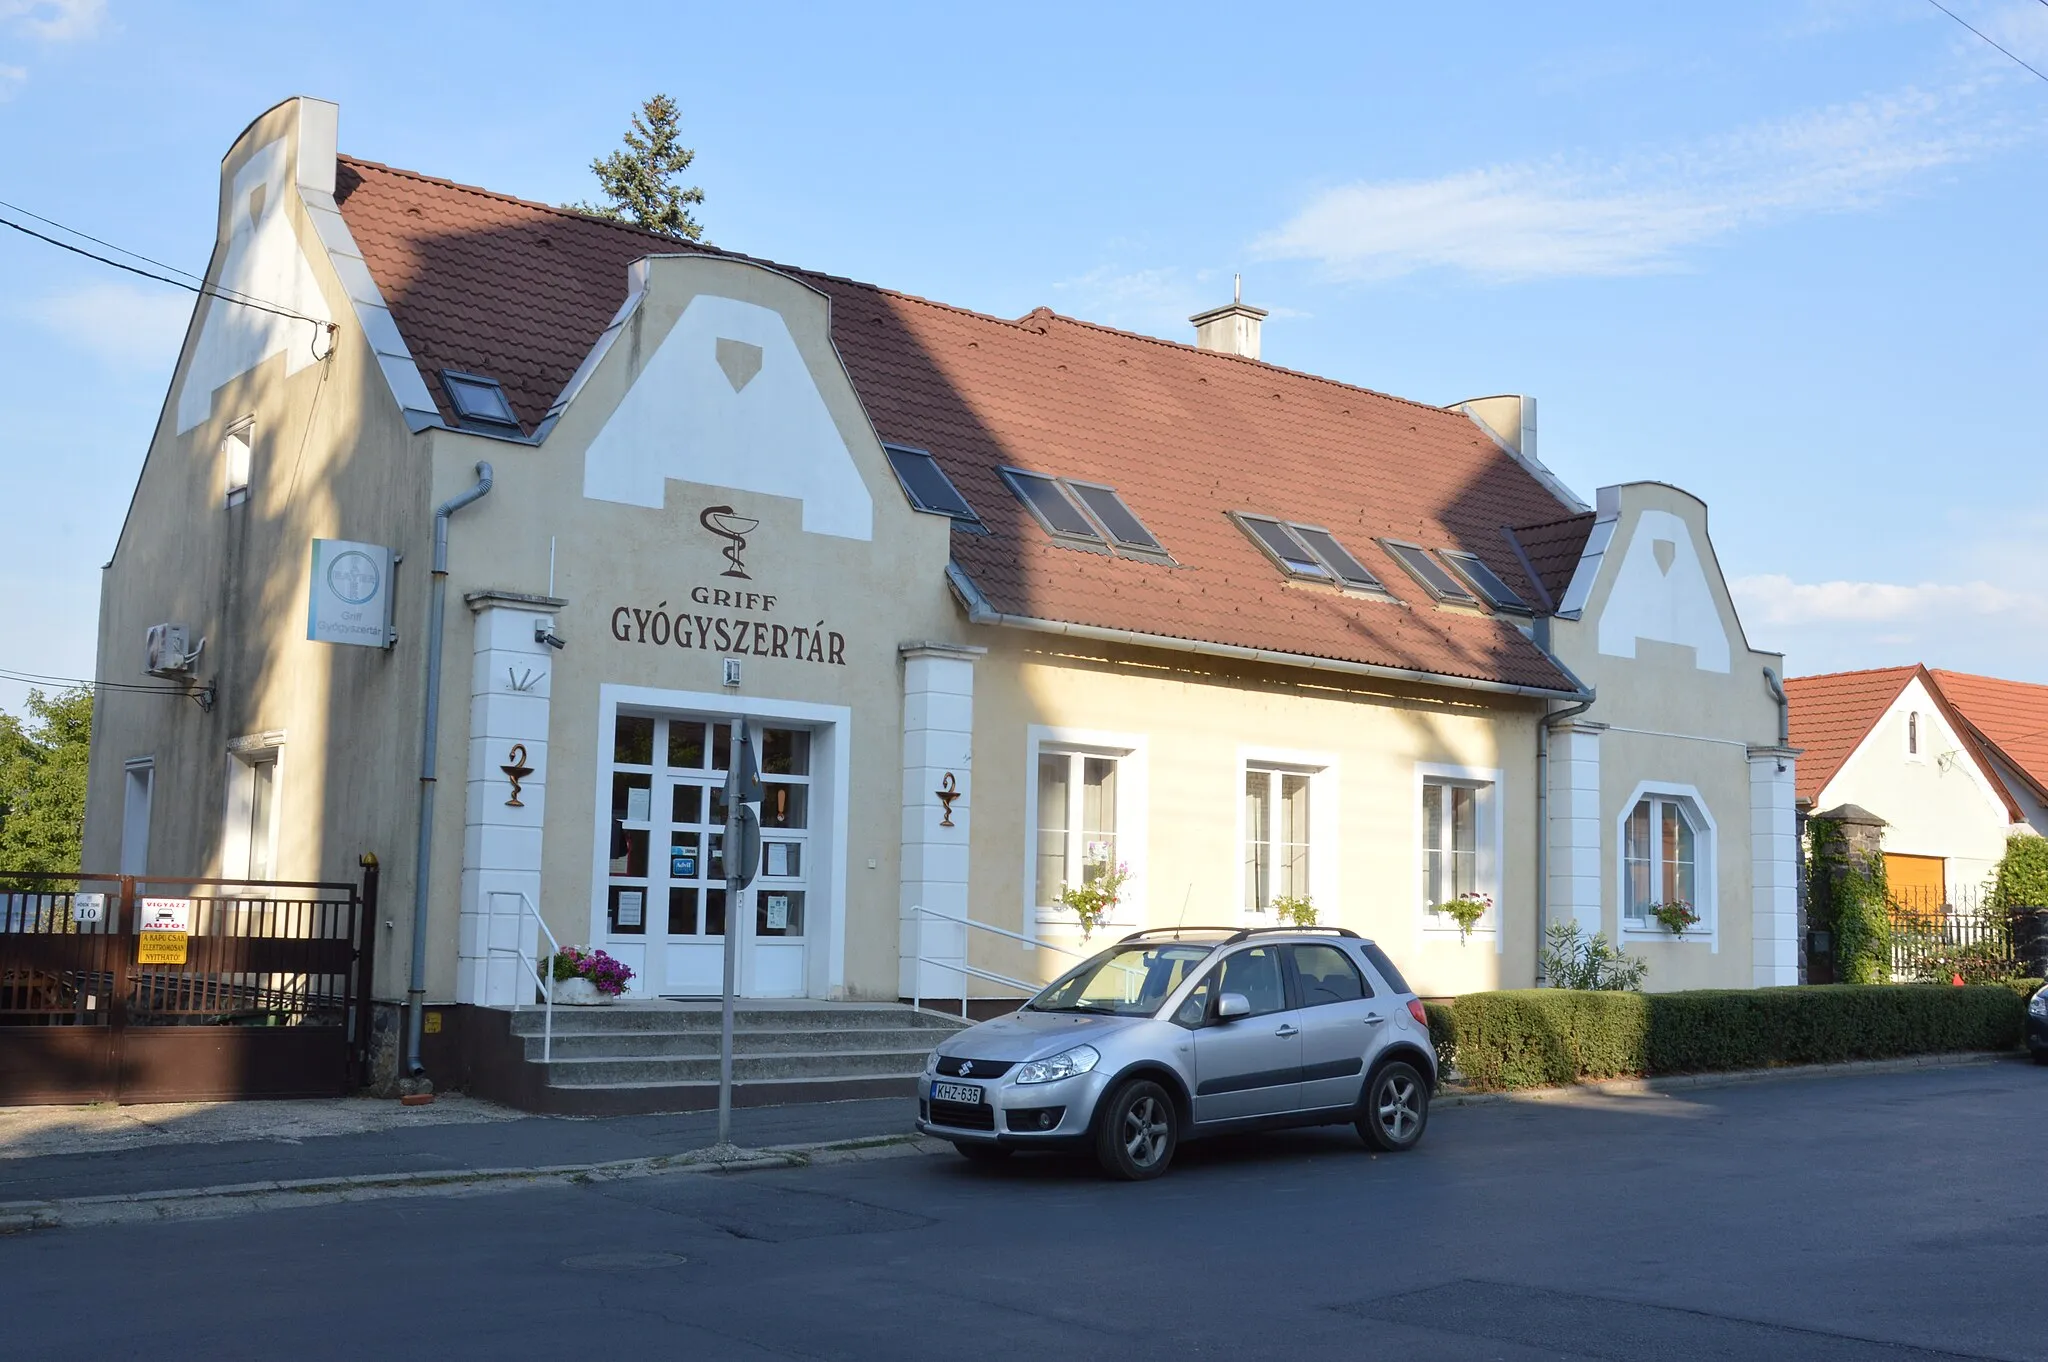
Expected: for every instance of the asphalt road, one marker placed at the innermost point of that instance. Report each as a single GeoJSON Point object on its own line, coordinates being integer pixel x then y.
{"type": "Point", "coordinates": [1899, 1217]}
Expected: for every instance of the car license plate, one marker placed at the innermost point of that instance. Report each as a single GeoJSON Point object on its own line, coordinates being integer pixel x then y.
{"type": "Point", "coordinates": [966, 1093]}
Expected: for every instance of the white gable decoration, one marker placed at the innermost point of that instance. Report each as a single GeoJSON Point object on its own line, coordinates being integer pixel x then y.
{"type": "Point", "coordinates": [264, 260]}
{"type": "Point", "coordinates": [1661, 594]}
{"type": "Point", "coordinates": [728, 401]}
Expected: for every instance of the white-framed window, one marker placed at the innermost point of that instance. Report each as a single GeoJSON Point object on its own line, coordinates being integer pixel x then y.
{"type": "Point", "coordinates": [249, 846]}
{"type": "Point", "coordinates": [237, 451]}
{"type": "Point", "coordinates": [1667, 857]}
{"type": "Point", "coordinates": [1084, 816]}
{"type": "Point", "coordinates": [1277, 835]}
{"type": "Point", "coordinates": [1459, 843]}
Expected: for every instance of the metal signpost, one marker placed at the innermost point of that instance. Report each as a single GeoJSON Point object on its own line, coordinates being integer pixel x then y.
{"type": "Point", "coordinates": [742, 856]}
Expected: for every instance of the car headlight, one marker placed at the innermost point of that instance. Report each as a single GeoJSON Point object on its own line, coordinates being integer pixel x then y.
{"type": "Point", "coordinates": [1078, 1060]}
{"type": "Point", "coordinates": [2038, 1006]}
{"type": "Point", "coordinates": [931, 1062]}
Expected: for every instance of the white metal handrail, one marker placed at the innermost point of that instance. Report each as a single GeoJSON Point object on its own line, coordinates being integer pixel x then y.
{"type": "Point", "coordinates": [965, 970]}
{"type": "Point", "coordinates": [543, 979]}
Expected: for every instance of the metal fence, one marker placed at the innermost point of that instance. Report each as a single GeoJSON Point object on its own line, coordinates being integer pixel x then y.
{"type": "Point", "coordinates": [262, 992]}
{"type": "Point", "coordinates": [1959, 933]}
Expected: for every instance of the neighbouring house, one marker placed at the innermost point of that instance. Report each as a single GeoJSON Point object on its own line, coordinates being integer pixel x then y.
{"type": "Point", "coordinates": [1953, 763]}
{"type": "Point", "coordinates": [1010, 602]}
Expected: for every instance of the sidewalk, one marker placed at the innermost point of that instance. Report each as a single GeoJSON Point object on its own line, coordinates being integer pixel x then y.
{"type": "Point", "coordinates": [54, 1153]}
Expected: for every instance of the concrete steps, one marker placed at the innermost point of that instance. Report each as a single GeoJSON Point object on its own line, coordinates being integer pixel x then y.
{"type": "Point", "coordinates": [663, 1056]}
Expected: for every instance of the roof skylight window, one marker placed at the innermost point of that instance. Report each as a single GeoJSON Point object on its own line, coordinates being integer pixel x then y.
{"type": "Point", "coordinates": [1429, 572]}
{"type": "Point", "coordinates": [1110, 512]}
{"type": "Point", "coordinates": [927, 485]}
{"type": "Point", "coordinates": [1306, 551]}
{"type": "Point", "coordinates": [1484, 580]}
{"type": "Point", "coordinates": [1055, 510]}
{"type": "Point", "coordinates": [479, 399]}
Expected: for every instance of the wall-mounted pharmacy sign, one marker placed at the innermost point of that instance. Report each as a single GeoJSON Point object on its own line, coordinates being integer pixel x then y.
{"type": "Point", "coordinates": [350, 596]}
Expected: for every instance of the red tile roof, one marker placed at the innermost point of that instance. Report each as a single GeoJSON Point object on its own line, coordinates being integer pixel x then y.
{"type": "Point", "coordinates": [1832, 713]}
{"type": "Point", "coordinates": [1553, 551]}
{"type": "Point", "coordinates": [2011, 716]}
{"type": "Point", "coordinates": [520, 291]}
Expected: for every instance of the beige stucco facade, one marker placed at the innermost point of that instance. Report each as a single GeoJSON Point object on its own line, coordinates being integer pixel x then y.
{"type": "Point", "coordinates": [717, 401]}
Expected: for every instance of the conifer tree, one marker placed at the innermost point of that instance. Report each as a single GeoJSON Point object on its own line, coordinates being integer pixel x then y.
{"type": "Point", "coordinates": [640, 178]}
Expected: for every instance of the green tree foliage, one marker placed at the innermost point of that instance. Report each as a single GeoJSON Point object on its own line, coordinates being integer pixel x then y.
{"type": "Point", "coordinates": [42, 781]}
{"type": "Point", "coordinates": [640, 178]}
{"type": "Point", "coordinates": [2022, 880]}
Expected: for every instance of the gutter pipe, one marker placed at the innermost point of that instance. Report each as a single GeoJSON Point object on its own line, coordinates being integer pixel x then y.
{"type": "Point", "coordinates": [1777, 690]}
{"type": "Point", "coordinates": [979, 611]}
{"type": "Point", "coordinates": [416, 984]}
{"type": "Point", "coordinates": [1543, 822]}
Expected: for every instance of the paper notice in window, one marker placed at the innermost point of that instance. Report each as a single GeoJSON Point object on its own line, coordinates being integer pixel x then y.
{"type": "Point", "coordinates": [636, 806]}
{"type": "Point", "coordinates": [778, 912]}
{"type": "Point", "coordinates": [778, 858]}
{"type": "Point", "coordinates": [631, 903]}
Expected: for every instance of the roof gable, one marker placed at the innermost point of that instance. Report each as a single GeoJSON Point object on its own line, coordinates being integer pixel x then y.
{"type": "Point", "coordinates": [1832, 714]}
{"type": "Point", "coordinates": [521, 292]}
{"type": "Point", "coordinates": [2012, 716]}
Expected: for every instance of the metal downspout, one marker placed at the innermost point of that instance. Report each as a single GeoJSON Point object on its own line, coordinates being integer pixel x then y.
{"type": "Point", "coordinates": [1543, 800]}
{"type": "Point", "coordinates": [1784, 707]}
{"type": "Point", "coordinates": [416, 985]}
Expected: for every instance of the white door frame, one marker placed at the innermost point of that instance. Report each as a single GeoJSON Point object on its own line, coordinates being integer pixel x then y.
{"type": "Point", "coordinates": [831, 772]}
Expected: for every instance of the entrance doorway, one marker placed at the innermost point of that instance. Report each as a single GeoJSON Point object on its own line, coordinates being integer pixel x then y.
{"type": "Point", "coordinates": [664, 906]}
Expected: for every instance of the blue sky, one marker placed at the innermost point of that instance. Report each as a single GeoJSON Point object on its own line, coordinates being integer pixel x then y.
{"type": "Point", "coordinates": [1786, 255]}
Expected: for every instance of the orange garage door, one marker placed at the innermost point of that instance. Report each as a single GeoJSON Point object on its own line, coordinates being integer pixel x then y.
{"type": "Point", "coordinates": [1918, 884]}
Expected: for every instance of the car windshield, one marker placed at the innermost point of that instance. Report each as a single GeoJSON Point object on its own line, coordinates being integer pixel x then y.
{"type": "Point", "coordinates": [1129, 981]}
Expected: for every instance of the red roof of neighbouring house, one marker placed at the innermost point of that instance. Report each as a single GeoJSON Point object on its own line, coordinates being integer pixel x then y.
{"type": "Point", "coordinates": [1832, 714]}
{"type": "Point", "coordinates": [520, 291]}
{"type": "Point", "coordinates": [2011, 716]}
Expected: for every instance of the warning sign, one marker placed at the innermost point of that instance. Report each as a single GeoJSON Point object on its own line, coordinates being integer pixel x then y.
{"type": "Point", "coordinates": [165, 929]}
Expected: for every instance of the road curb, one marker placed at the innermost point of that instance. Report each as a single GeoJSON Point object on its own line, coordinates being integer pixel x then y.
{"type": "Point", "coordinates": [1629, 1087]}
{"type": "Point", "coordinates": [205, 1203]}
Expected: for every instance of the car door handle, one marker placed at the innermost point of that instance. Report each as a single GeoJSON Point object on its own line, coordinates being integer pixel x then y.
{"type": "Point", "coordinates": [1373, 1019]}
{"type": "Point", "coordinates": [1288, 1030]}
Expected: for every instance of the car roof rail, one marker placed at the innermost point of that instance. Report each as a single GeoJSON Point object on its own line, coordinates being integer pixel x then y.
{"type": "Point", "coordinates": [1174, 932]}
{"type": "Point", "coordinates": [1244, 932]}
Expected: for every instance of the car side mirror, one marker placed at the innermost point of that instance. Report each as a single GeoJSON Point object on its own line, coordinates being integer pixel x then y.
{"type": "Point", "coordinates": [1233, 1005]}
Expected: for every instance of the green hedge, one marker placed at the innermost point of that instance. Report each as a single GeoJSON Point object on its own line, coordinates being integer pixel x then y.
{"type": "Point", "coordinates": [1530, 1037]}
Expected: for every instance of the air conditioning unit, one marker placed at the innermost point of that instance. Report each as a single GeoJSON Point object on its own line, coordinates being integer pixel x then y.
{"type": "Point", "coordinates": [168, 651]}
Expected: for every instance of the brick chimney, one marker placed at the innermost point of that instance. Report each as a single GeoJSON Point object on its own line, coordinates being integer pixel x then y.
{"type": "Point", "coordinates": [1232, 329]}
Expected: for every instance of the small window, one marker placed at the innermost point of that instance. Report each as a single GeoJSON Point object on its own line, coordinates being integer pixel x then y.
{"type": "Point", "coordinates": [1348, 570]}
{"type": "Point", "coordinates": [1429, 572]}
{"type": "Point", "coordinates": [1660, 858]}
{"type": "Point", "coordinates": [1484, 580]}
{"type": "Point", "coordinates": [1326, 975]}
{"type": "Point", "coordinates": [927, 485]}
{"type": "Point", "coordinates": [1077, 821]}
{"type": "Point", "coordinates": [1306, 551]}
{"type": "Point", "coordinates": [478, 399]}
{"type": "Point", "coordinates": [1123, 525]}
{"type": "Point", "coordinates": [237, 449]}
{"type": "Point", "coordinates": [1276, 836]}
{"type": "Point", "coordinates": [1048, 500]}
{"type": "Point", "coordinates": [1913, 734]}
{"type": "Point", "coordinates": [1277, 539]}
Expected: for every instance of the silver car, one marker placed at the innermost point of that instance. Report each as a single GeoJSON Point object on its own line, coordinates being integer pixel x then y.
{"type": "Point", "coordinates": [1174, 1034]}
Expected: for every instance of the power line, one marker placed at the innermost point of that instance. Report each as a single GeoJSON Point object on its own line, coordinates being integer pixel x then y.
{"type": "Point", "coordinates": [36, 679]}
{"type": "Point", "coordinates": [138, 255]}
{"type": "Point", "coordinates": [1989, 39]}
{"type": "Point", "coordinates": [205, 290]}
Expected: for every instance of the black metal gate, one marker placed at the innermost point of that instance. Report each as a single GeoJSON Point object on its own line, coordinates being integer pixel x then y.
{"type": "Point", "coordinates": [263, 993]}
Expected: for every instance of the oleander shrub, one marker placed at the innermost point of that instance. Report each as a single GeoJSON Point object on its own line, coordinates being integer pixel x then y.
{"type": "Point", "coordinates": [1529, 1037]}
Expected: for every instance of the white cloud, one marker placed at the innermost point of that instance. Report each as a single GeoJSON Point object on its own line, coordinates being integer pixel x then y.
{"type": "Point", "coordinates": [1773, 598]}
{"type": "Point", "coordinates": [1975, 625]}
{"type": "Point", "coordinates": [1570, 218]}
{"type": "Point", "coordinates": [123, 324]}
{"type": "Point", "coordinates": [11, 78]}
{"type": "Point", "coordinates": [56, 20]}
{"type": "Point", "coordinates": [1157, 302]}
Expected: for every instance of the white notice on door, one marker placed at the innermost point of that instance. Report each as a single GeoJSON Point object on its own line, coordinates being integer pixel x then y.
{"type": "Point", "coordinates": [778, 912]}
{"type": "Point", "coordinates": [630, 901]}
{"type": "Point", "coordinates": [636, 806]}
{"type": "Point", "coordinates": [778, 858]}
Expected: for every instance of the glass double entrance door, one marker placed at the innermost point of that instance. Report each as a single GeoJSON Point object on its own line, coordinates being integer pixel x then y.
{"type": "Point", "coordinates": [665, 902]}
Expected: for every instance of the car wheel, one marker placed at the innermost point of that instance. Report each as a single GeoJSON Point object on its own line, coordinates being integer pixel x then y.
{"type": "Point", "coordinates": [1137, 1131]}
{"type": "Point", "coordinates": [1396, 1108]}
{"type": "Point", "coordinates": [976, 1152]}
{"type": "Point", "coordinates": [2041, 1056]}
